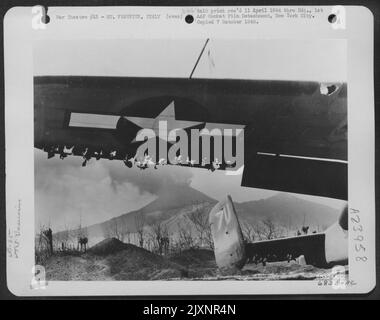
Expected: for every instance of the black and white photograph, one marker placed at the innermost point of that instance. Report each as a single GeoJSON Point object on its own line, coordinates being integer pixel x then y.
{"type": "Point", "coordinates": [215, 150]}
{"type": "Point", "coordinates": [241, 172]}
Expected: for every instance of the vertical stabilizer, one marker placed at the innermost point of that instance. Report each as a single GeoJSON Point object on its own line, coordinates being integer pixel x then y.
{"type": "Point", "coordinates": [229, 246]}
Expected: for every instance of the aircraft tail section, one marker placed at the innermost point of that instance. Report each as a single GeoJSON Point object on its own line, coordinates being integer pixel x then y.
{"type": "Point", "coordinates": [321, 250]}
{"type": "Point", "coordinates": [229, 245]}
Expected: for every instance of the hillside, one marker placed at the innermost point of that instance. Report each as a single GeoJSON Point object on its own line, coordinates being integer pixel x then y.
{"type": "Point", "coordinates": [170, 203]}
{"type": "Point", "coordinates": [288, 210]}
{"type": "Point", "coordinates": [176, 197]}
{"type": "Point", "coordinates": [173, 206]}
{"type": "Point", "coordinates": [112, 260]}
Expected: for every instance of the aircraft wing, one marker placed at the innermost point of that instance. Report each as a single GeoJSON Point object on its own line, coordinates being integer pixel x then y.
{"type": "Point", "coordinates": [295, 133]}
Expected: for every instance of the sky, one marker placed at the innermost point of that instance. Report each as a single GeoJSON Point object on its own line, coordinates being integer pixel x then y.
{"type": "Point", "coordinates": [67, 194]}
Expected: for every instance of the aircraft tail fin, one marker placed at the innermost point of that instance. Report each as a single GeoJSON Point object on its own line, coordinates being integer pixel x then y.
{"type": "Point", "coordinates": [229, 244]}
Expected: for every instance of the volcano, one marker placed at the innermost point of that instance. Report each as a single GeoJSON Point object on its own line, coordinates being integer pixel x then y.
{"type": "Point", "coordinates": [173, 205]}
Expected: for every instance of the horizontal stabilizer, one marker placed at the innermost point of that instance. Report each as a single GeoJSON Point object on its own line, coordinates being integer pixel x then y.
{"type": "Point", "coordinates": [312, 247]}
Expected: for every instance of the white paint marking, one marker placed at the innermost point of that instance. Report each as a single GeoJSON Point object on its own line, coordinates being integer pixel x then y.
{"type": "Point", "coordinates": [90, 120]}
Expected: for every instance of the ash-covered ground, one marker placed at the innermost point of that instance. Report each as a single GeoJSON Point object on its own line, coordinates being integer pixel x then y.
{"type": "Point", "coordinates": [113, 260]}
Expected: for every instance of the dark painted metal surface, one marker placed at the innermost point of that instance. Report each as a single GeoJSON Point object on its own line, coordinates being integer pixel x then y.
{"type": "Point", "coordinates": [280, 117]}
{"type": "Point", "coordinates": [312, 247]}
{"type": "Point", "coordinates": [322, 178]}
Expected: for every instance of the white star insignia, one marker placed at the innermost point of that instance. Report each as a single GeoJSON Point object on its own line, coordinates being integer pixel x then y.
{"type": "Point", "coordinates": [168, 115]}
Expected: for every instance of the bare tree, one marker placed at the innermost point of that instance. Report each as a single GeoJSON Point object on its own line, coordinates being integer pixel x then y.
{"type": "Point", "coordinates": [65, 237]}
{"type": "Point", "coordinates": [107, 231]}
{"type": "Point", "coordinates": [48, 235]}
{"type": "Point", "coordinates": [71, 237]}
{"type": "Point", "coordinates": [140, 228]}
{"type": "Point", "coordinates": [200, 222]}
{"type": "Point", "coordinates": [185, 237]}
{"type": "Point", "coordinates": [160, 237]}
{"type": "Point", "coordinates": [45, 241]}
{"type": "Point", "coordinates": [43, 246]}
{"type": "Point", "coordinates": [127, 234]}
{"type": "Point", "coordinates": [259, 231]}
{"type": "Point", "coordinates": [149, 241]}
{"type": "Point", "coordinates": [85, 232]}
{"type": "Point", "coordinates": [208, 239]}
{"type": "Point", "coordinates": [81, 236]}
{"type": "Point", "coordinates": [271, 230]}
{"type": "Point", "coordinates": [62, 239]}
{"type": "Point", "coordinates": [115, 230]}
{"type": "Point", "coordinates": [248, 230]}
